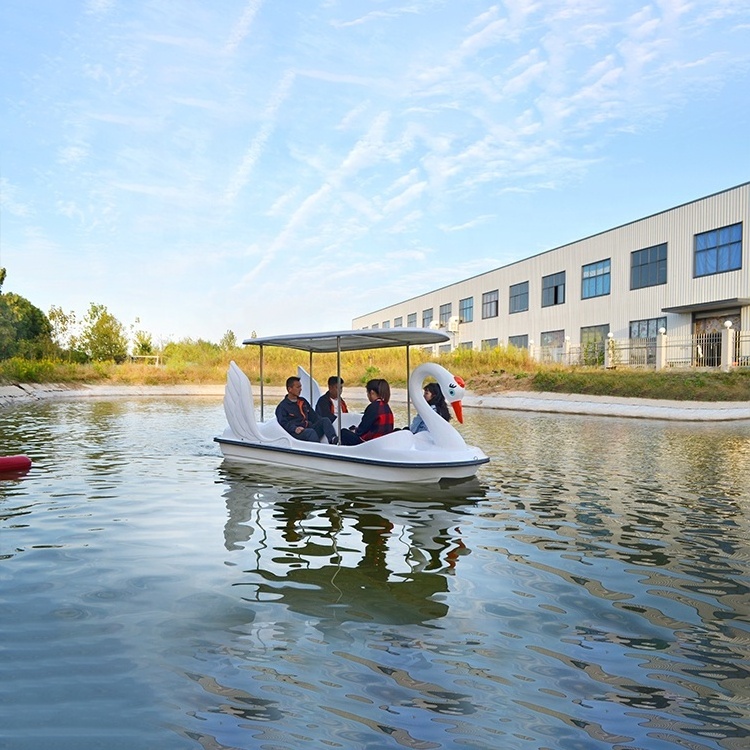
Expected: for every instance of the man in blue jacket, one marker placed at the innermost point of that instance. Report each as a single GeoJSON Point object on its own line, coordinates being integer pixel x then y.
{"type": "Point", "coordinates": [299, 419]}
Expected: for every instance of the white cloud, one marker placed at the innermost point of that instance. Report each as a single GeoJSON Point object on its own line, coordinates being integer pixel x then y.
{"type": "Point", "coordinates": [408, 223]}
{"type": "Point", "coordinates": [99, 7]}
{"type": "Point", "coordinates": [484, 18]}
{"type": "Point", "coordinates": [282, 241]}
{"type": "Point", "coordinates": [72, 155]}
{"type": "Point", "coordinates": [10, 202]}
{"type": "Point", "coordinates": [380, 15]}
{"type": "Point", "coordinates": [353, 115]}
{"type": "Point", "coordinates": [279, 206]}
{"type": "Point", "coordinates": [240, 31]}
{"type": "Point", "coordinates": [268, 119]}
{"type": "Point", "coordinates": [399, 202]}
{"type": "Point", "coordinates": [478, 221]}
{"type": "Point", "coordinates": [368, 150]}
{"type": "Point", "coordinates": [522, 82]}
{"type": "Point", "coordinates": [489, 36]}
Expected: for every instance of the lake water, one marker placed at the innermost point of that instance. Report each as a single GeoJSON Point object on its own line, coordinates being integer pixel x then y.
{"type": "Point", "coordinates": [590, 590]}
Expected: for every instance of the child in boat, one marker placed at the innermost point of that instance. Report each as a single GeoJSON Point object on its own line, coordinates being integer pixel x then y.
{"type": "Point", "coordinates": [434, 397]}
{"type": "Point", "coordinates": [378, 417]}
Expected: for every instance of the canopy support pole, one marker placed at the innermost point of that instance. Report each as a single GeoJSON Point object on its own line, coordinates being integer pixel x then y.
{"type": "Point", "coordinates": [312, 380]}
{"type": "Point", "coordinates": [338, 375]}
{"type": "Point", "coordinates": [261, 383]}
{"type": "Point", "coordinates": [408, 373]}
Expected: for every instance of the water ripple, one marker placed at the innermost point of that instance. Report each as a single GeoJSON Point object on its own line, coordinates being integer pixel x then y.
{"type": "Point", "coordinates": [590, 590]}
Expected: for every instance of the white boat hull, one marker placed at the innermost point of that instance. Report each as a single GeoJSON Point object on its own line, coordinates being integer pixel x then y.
{"type": "Point", "coordinates": [357, 461]}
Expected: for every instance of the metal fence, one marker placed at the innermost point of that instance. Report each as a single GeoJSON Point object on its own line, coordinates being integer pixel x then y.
{"type": "Point", "coordinates": [706, 350]}
{"type": "Point", "coordinates": [587, 355]}
{"type": "Point", "coordinates": [742, 354]}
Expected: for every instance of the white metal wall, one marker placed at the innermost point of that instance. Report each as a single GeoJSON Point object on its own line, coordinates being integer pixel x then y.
{"type": "Point", "coordinates": [677, 227]}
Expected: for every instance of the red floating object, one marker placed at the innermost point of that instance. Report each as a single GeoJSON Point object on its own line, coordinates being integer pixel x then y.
{"type": "Point", "coordinates": [14, 463]}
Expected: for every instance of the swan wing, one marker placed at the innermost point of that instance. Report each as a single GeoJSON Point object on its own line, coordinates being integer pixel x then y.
{"type": "Point", "coordinates": [310, 388]}
{"type": "Point", "coordinates": [238, 404]}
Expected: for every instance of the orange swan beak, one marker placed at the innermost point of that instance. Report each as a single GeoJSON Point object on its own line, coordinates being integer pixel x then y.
{"type": "Point", "coordinates": [459, 410]}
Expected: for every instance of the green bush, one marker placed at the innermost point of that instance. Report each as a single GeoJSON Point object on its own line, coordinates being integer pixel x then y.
{"type": "Point", "coordinates": [19, 370]}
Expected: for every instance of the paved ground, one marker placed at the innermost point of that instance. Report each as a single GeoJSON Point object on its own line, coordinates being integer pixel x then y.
{"type": "Point", "coordinates": [511, 400]}
{"type": "Point", "coordinates": [643, 408]}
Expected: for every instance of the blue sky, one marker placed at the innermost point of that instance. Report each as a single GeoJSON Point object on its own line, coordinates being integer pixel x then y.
{"type": "Point", "coordinates": [205, 166]}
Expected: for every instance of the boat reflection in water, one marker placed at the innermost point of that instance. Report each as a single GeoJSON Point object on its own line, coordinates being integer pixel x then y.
{"type": "Point", "coordinates": [338, 553]}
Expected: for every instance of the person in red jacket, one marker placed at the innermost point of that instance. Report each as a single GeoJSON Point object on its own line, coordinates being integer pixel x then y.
{"type": "Point", "coordinates": [378, 417]}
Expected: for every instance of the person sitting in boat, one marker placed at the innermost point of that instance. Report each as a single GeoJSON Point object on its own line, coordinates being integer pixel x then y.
{"type": "Point", "coordinates": [299, 419]}
{"type": "Point", "coordinates": [378, 417]}
{"type": "Point", "coordinates": [327, 405]}
{"type": "Point", "coordinates": [434, 397]}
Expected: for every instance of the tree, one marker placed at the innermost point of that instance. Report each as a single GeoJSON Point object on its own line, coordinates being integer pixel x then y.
{"type": "Point", "coordinates": [25, 330]}
{"type": "Point", "coordinates": [228, 341]}
{"type": "Point", "coordinates": [63, 327]}
{"type": "Point", "coordinates": [103, 336]}
{"type": "Point", "coordinates": [143, 344]}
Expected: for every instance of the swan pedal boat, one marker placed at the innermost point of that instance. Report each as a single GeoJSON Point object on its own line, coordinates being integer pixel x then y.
{"type": "Point", "coordinates": [433, 456]}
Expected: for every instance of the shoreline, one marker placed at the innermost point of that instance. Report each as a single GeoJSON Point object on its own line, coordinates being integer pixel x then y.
{"type": "Point", "coordinates": [525, 401]}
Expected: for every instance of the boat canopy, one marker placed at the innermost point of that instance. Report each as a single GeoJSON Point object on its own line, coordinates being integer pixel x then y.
{"type": "Point", "coordinates": [346, 341]}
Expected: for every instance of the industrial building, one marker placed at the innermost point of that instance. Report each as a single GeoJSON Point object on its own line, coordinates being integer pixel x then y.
{"type": "Point", "coordinates": [683, 272]}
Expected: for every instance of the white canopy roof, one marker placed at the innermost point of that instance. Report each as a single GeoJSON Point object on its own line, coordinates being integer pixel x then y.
{"type": "Point", "coordinates": [344, 341]}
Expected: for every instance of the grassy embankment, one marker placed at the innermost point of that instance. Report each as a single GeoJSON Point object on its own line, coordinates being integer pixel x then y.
{"type": "Point", "coordinates": [484, 372]}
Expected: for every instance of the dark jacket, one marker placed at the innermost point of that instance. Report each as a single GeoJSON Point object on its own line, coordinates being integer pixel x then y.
{"type": "Point", "coordinates": [325, 407]}
{"type": "Point", "coordinates": [293, 414]}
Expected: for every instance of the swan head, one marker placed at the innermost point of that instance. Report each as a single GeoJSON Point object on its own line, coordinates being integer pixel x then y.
{"type": "Point", "coordinates": [452, 387]}
{"type": "Point", "coordinates": [454, 390]}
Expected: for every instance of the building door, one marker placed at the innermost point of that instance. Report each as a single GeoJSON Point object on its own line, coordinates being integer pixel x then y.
{"type": "Point", "coordinates": [707, 328]}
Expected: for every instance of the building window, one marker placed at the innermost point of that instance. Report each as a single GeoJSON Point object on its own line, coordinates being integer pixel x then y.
{"type": "Point", "coordinates": [519, 297]}
{"type": "Point", "coordinates": [411, 320]}
{"type": "Point", "coordinates": [489, 344]}
{"type": "Point", "coordinates": [592, 344]}
{"type": "Point", "coordinates": [594, 334]}
{"type": "Point", "coordinates": [718, 251]}
{"type": "Point", "coordinates": [552, 338]}
{"type": "Point", "coordinates": [375, 325]}
{"type": "Point", "coordinates": [445, 314]}
{"type": "Point", "coordinates": [386, 324]}
{"type": "Point", "coordinates": [643, 335]}
{"type": "Point", "coordinates": [595, 279]}
{"type": "Point", "coordinates": [426, 317]}
{"type": "Point", "coordinates": [647, 329]}
{"type": "Point", "coordinates": [489, 304]}
{"type": "Point", "coordinates": [648, 267]}
{"type": "Point", "coordinates": [466, 345]}
{"type": "Point", "coordinates": [398, 322]}
{"type": "Point", "coordinates": [520, 342]}
{"type": "Point", "coordinates": [466, 310]}
{"type": "Point", "coordinates": [553, 289]}
{"type": "Point", "coordinates": [444, 349]}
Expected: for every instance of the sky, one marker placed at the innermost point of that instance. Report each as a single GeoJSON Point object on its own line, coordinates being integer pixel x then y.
{"type": "Point", "coordinates": [204, 166]}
